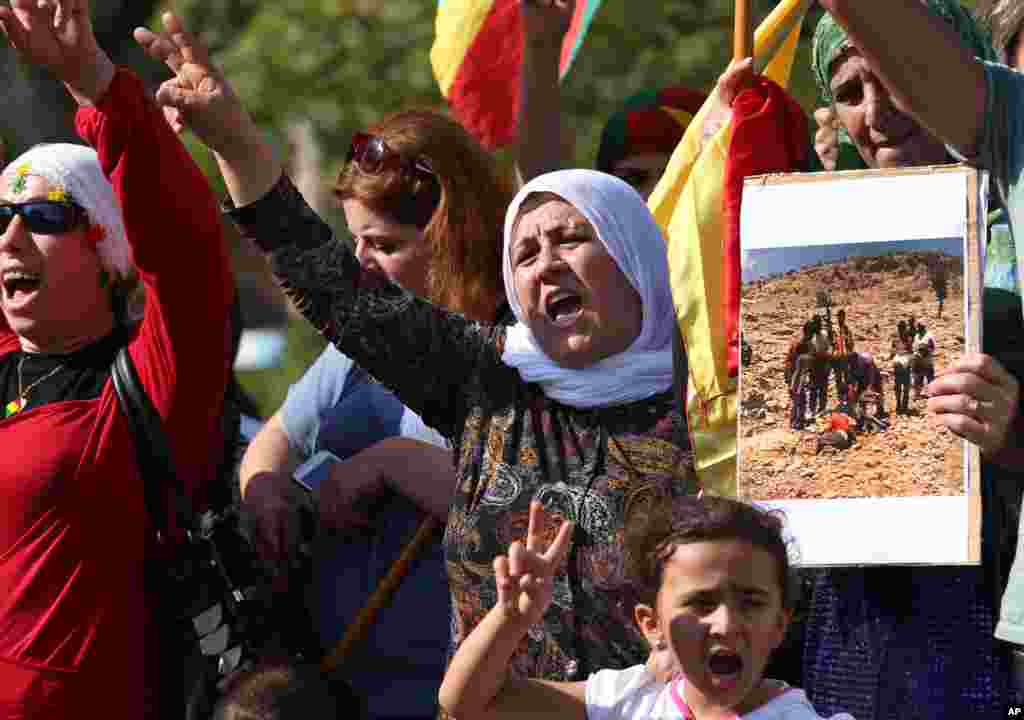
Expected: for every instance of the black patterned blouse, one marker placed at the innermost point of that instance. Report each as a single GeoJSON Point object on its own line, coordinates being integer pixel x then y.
{"type": "Point", "coordinates": [512, 443]}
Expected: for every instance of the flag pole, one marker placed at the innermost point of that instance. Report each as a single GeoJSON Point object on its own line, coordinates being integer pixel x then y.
{"type": "Point", "coordinates": [381, 597]}
{"type": "Point", "coordinates": [743, 31]}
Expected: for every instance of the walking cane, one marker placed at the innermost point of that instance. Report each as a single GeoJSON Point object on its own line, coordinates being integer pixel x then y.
{"type": "Point", "coordinates": [382, 596]}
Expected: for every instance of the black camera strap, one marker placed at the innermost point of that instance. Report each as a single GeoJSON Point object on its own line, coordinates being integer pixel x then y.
{"type": "Point", "coordinates": [152, 448]}
{"type": "Point", "coordinates": [157, 471]}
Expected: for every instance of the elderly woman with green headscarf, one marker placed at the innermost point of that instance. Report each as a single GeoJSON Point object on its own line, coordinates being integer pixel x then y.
{"type": "Point", "coordinates": [837, 148]}
{"type": "Point", "coordinates": [1004, 18]}
{"type": "Point", "coordinates": [902, 642]}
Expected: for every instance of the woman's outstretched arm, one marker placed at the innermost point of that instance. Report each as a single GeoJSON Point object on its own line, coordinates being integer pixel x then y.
{"type": "Point", "coordinates": [542, 143]}
{"type": "Point", "coordinates": [424, 354]}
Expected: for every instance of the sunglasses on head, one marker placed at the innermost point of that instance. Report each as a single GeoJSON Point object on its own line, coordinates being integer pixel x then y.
{"type": "Point", "coordinates": [44, 217]}
{"type": "Point", "coordinates": [373, 157]}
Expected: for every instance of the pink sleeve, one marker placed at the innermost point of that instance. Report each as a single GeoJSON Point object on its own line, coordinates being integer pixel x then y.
{"type": "Point", "coordinates": [174, 227]}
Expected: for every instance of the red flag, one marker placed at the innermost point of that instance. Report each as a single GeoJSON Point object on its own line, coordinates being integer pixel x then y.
{"type": "Point", "coordinates": [770, 135]}
{"type": "Point", "coordinates": [476, 57]}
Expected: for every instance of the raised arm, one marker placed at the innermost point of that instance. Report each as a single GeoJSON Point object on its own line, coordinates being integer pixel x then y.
{"type": "Point", "coordinates": [58, 35]}
{"type": "Point", "coordinates": [542, 143]}
{"type": "Point", "coordinates": [209, 107]}
{"type": "Point", "coordinates": [477, 683]}
{"type": "Point", "coordinates": [170, 218]}
{"type": "Point", "coordinates": [424, 354]}
{"type": "Point", "coordinates": [923, 65]}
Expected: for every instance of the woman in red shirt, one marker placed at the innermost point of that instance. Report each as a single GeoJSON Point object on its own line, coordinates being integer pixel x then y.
{"type": "Point", "coordinates": [80, 229]}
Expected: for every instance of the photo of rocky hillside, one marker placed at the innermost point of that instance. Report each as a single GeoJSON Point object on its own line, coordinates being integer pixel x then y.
{"type": "Point", "coordinates": [895, 451]}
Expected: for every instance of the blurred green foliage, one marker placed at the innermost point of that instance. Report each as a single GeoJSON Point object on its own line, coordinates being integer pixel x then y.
{"type": "Point", "coordinates": [343, 63]}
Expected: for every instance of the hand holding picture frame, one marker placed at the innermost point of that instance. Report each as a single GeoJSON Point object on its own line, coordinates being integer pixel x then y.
{"type": "Point", "coordinates": [857, 288]}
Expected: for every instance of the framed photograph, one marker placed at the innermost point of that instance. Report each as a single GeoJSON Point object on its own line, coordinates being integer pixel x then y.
{"type": "Point", "coordinates": [856, 289]}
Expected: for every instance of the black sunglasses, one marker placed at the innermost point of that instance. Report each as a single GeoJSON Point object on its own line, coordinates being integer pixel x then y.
{"type": "Point", "coordinates": [44, 217]}
{"type": "Point", "coordinates": [373, 157]}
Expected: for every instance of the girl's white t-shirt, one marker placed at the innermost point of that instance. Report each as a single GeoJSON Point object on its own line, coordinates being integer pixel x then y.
{"type": "Point", "coordinates": [636, 694]}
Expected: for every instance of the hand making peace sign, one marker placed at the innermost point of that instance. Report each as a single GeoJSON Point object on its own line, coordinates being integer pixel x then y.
{"type": "Point", "coordinates": [199, 92]}
{"type": "Point", "coordinates": [525, 576]}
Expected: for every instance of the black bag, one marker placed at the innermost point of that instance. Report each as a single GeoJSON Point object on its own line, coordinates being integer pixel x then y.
{"type": "Point", "coordinates": [216, 609]}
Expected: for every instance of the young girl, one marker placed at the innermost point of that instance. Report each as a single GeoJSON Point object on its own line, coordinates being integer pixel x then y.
{"type": "Point", "coordinates": [714, 579]}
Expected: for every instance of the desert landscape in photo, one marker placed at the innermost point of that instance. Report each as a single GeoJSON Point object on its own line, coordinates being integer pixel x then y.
{"type": "Point", "coordinates": [915, 456]}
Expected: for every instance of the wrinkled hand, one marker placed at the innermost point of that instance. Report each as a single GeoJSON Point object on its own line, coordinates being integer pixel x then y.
{"type": "Point", "coordinates": [58, 35]}
{"type": "Point", "coordinates": [826, 137]}
{"type": "Point", "coordinates": [525, 576]}
{"type": "Point", "coordinates": [736, 77]}
{"type": "Point", "coordinates": [545, 22]}
{"type": "Point", "coordinates": [347, 484]}
{"type": "Point", "coordinates": [977, 399]}
{"type": "Point", "coordinates": [204, 99]}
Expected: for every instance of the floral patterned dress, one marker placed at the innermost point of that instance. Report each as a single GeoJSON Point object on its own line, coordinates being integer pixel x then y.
{"type": "Point", "coordinates": [512, 443]}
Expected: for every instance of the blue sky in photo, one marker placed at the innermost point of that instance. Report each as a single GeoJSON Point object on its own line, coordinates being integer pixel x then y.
{"type": "Point", "coordinates": [762, 262]}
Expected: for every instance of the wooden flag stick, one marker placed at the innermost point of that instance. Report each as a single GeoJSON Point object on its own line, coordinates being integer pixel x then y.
{"type": "Point", "coordinates": [743, 31]}
{"type": "Point", "coordinates": [382, 596]}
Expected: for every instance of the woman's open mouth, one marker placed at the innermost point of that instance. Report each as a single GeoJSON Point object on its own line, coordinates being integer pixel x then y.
{"type": "Point", "coordinates": [19, 286]}
{"type": "Point", "coordinates": [563, 308]}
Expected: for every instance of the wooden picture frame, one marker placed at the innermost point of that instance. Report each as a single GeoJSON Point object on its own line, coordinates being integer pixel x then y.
{"type": "Point", "coordinates": [896, 487]}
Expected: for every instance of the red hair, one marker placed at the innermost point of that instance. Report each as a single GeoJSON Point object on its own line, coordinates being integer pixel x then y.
{"type": "Point", "coordinates": [463, 223]}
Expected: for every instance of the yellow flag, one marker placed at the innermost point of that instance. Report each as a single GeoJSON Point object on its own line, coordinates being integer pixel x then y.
{"type": "Point", "coordinates": [687, 204]}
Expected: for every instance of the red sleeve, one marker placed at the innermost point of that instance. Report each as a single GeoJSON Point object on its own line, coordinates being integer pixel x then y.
{"type": "Point", "coordinates": [173, 225]}
{"type": "Point", "coordinates": [8, 340]}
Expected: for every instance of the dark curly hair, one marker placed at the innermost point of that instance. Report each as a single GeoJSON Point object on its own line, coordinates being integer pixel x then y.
{"type": "Point", "coordinates": [655, 528]}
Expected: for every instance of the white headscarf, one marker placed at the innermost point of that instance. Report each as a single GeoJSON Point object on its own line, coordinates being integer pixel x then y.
{"type": "Point", "coordinates": [627, 230]}
{"type": "Point", "coordinates": [76, 170]}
